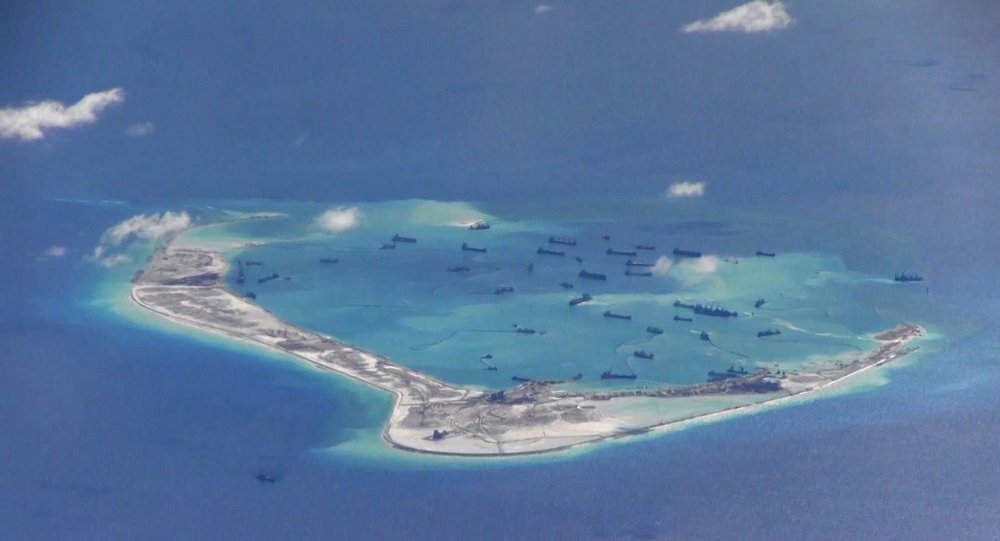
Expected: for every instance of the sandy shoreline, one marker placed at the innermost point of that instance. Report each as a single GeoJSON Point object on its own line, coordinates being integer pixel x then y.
{"type": "Point", "coordinates": [185, 285]}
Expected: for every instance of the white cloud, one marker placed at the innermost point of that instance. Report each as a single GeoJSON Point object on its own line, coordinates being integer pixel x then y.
{"type": "Point", "coordinates": [707, 264]}
{"type": "Point", "coordinates": [339, 219]}
{"type": "Point", "coordinates": [542, 9]}
{"type": "Point", "coordinates": [30, 122]}
{"type": "Point", "coordinates": [662, 266]}
{"type": "Point", "coordinates": [147, 227]}
{"type": "Point", "coordinates": [114, 260]}
{"type": "Point", "coordinates": [141, 129]}
{"type": "Point", "coordinates": [686, 189]}
{"type": "Point", "coordinates": [756, 16]}
{"type": "Point", "coordinates": [55, 251]}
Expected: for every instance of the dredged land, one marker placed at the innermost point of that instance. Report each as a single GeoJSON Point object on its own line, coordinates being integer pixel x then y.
{"type": "Point", "coordinates": [185, 284]}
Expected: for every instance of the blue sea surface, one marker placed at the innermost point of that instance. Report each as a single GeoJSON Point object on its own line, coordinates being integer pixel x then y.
{"type": "Point", "coordinates": [859, 142]}
{"type": "Point", "coordinates": [128, 428]}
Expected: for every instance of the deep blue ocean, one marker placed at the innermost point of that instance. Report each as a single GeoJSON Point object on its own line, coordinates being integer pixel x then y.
{"type": "Point", "coordinates": [865, 132]}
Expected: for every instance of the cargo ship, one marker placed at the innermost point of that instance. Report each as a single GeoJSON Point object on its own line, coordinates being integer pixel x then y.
{"type": "Point", "coordinates": [581, 299]}
{"type": "Point", "coordinates": [612, 315]}
{"type": "Point", "coordinates": [630, 272]}
{"type": "Point", "coordinates": [682, 318]}
{"type": "Point", "coordinates": [631, 263]}
{"type": "Point", "coordinates": [467, 248]}
{"type": "Point", "coordinates": [764, 254]}
{"type": "Point", "coordinates": [768, 332]}
{"type": "Point", "coordinates": [686, 253]}
{"type": "Point", "coordinates": [578, 259]}
{"type": "Point", "coordinates": [479, 225]}
{"type": "Point", "coordinates": [654, 330]}
{"type": "Point", "coordinates": [252, 263]}
{"type": "Point", "coordinates": [701, 309]}
{"type": "Point", "coordinates": [731, 373]}
{"type": "Point", "coordinates": [503, 289]}
{"type": "Point", "coordinates": [648, 247]}
{"type": "Point", "coordinates": [608, 374]}
{"type": "Point", "coordinates": [524, 330]}
{"type": "Point", "coordinates": [329, 260]}
{"type": "Point", "coordinates": [399, 238]}
{"type": "Point", "coordinates": [241, 276]}
{"type": "Point", "coordinates": [268, 278]}
{"type": "Point", "coordinates": [546, 251]}
{"type": "Point", "coordinates": [458, 268]}
{"type": "Point", "coordinates": [565, 241]}
{"type": "Point", "coordinates": [904, 277]}
{"type": "Point", "coordinates": [593, 276]}
{"type": "Point", "coordinates": [486, 364]}
{"type": "Point", "coordinates": [612, 251]}
{"type": "Point", "coordinates": [519, 379]}
{"type": "Point", "coordinates": [642, 354]}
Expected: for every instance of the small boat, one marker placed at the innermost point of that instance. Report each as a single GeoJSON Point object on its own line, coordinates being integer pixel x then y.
{"type": "Point", "coordinates": [612, 251]}
{"type": "Point", "coordinates": [467, 248]}
{"type": "Point", "coordinates": [399, 238]}
{"type": "Point", "coordinates": [388, 246]}
{"type": "Point", "coordinates": [765, 254]}
{"type": "Point", "coordinates": [250, 295]}
{"type": "Point", "coordinates": [759, 303]}
{"type": "Point", "coordinates": [479, 225]}
{"type": "Point", "coordinates": [631, 263]}
{"type": "Point", "coordinates": [566, 285]}
{"type": "Point", "coordinates": [904, 277]}
{"type": "Point", "coordinates": [502, 290]}
{"type": "Point", "coordinates": [546, 251]}
{"type": "Point", "coordinates": [606, 237]}
{"type": "Point", "coordinates": [524, 330]}
{"type": "Point", "coordinates": [565, 241]}
{"type": "Point", "coordinates": [264, 478]}
{"type": "Point", "coordinates": [580, 300]}
{"type": "Point", "coordinates": [593, 276]}
{"type": "Point", "coordinates": [268, 278]}
{"type": "Point", "coordinates": [630, 272]}
{"type": "Point", "coordinates": [329, 260]}
{"type": "Point", "coordinates": [458, 268]}
{"type": "Point", "coordinates": [519, 379]}
{"type": "Point", "coordinates": [251, 263]}
{"type": "Point", "coordinates": [768, 332]}
{"type": "Point", "coordinates": [578, 259]}
{"type": "Point", "coordinates": [686, 253]}
{"type": "Point", "coordinates": [648, 247]}
{"type": "Point", "coordinates": [704, 336]}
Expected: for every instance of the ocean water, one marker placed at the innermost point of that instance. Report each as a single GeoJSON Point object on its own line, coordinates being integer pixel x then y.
{"type": "Point", "coordinates": [405, 304]}
{"type": "Point", "coordinates": [117, 439]}
{"type": "Point", "coordinates": [860, 142]}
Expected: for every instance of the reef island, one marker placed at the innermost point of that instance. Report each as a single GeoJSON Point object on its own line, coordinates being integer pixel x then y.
{"type": "Point", "coordinates": [186, 285]}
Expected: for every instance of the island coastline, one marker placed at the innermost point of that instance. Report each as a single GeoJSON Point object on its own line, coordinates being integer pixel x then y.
{"type": "Point", "coordinates": [432, 417]}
